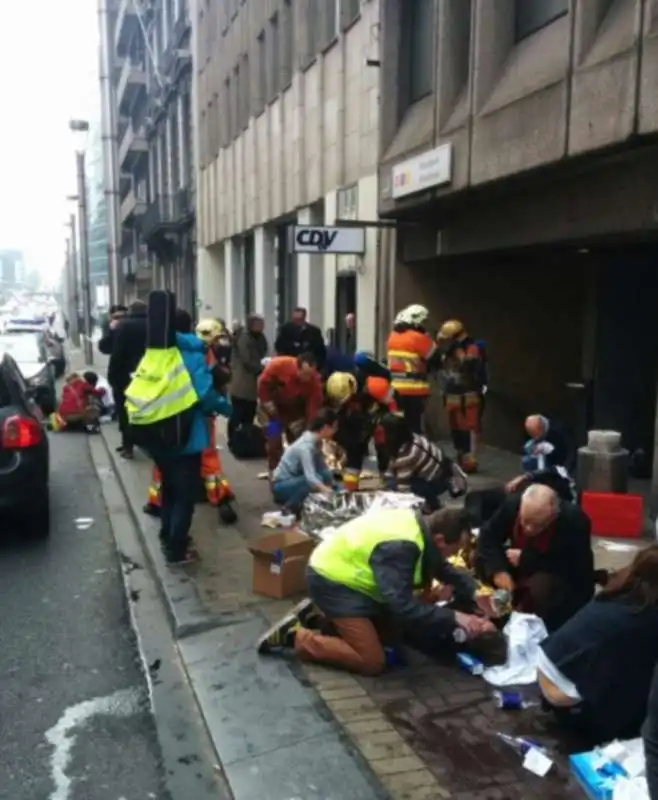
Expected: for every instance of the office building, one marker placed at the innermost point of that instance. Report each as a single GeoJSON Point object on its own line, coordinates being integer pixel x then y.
{"type": "Point", "coordinates": [287, 130]}
{"type": "Point", "coordinates": [153, 97]}
{"type": "Point", "coordinates": [519, 163]}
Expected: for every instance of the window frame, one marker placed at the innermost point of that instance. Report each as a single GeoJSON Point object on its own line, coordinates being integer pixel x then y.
{"type": "Point", "coordinates": [411, 29]}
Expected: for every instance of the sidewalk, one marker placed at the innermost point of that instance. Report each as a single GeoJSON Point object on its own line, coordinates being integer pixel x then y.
{"type": "Point", "coordinates": [286, 731]}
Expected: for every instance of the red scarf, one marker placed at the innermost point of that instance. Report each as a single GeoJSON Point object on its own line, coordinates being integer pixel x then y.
{"type": "Point", "coordinates": [541, 542]}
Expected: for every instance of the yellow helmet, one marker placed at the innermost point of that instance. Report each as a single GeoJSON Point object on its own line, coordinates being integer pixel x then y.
{"type": "Point", "coordinates": [452, 329]}
{"type": "Point", "coordinates": [340, 387]}
{"type": "Point", "coordinates": [209, 330]}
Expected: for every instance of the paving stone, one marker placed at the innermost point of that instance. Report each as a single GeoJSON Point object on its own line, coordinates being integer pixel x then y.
{"type": "Point", "coordinates": [377, 724]}
{"type": "Point", "coordinates": [341, 694]}
{"type": "Point", "coordinates": [387, 744]}
{"type": "Point", "coordinates": [392, 766]}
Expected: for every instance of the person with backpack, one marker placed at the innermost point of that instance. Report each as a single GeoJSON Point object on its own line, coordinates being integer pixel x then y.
{"type": "Point", "coordinates": [463, 381]}
{"type": "Point", "coordinates": [168, 402]}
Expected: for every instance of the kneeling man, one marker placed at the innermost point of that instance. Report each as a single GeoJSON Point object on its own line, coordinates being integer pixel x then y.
{"type": "Point", "coordinates": [538, 547]}
{"type": "Point", "coordinates": [372, 569]}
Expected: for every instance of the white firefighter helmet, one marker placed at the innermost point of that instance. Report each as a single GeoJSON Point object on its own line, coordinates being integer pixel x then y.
{"type": "Point", "coordinates": [413, 315]}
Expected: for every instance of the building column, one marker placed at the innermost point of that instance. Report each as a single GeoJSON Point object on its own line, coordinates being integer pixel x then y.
{"type": "Point", "coordinates": [265, 285]}
{"type": "Point", "coordinates": [210, 282]}
{"type": "Point", "coordinates": [234, 284]}
{"type": "Point", "coordinates": [310, 275]}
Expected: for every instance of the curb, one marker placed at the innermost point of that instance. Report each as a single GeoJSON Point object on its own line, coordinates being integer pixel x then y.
{"type": "Point", "coordinates": [185, 612]}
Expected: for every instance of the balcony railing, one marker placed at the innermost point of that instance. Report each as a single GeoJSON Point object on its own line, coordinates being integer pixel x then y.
{"type": "Point", "coordinates": [133, 145]}
{"type": "Point", "coordinates": [168, 212]}
{"type": "Point", "coordinates": [132, 207]}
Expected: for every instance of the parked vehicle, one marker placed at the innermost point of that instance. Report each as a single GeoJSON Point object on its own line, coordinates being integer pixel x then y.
{"type": "Point", "coordinates": [36, 365]}
{"type": "Point", "coordinates": [53, 342]}
{"type": "Point", "coordinates": [24, 454]}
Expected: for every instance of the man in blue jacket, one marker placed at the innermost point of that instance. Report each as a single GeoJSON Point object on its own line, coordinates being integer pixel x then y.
{"type": "Point", "coordinates": [180, 467]}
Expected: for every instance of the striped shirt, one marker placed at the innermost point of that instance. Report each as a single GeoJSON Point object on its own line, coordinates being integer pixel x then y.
{"type": "Point", "coordinates": [418, 459]}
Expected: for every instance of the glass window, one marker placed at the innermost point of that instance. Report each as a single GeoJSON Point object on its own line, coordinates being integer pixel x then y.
{"type": "Point", "coordinates": [418, 18]}
{"type": "Point", "coordinates": [275, 59]}
{"type": "Point", "coordinates": [532, 15]}
{"type": "Point", "coordinates": [331, 21]}
{"type": "Point", "coordinates": [288, 43]}
{"type": "Point", "coordinates": [262, 70]}
{"type": "Point", "coordinates": [350, 10]}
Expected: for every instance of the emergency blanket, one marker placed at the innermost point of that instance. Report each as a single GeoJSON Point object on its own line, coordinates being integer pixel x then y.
{"type": "Point", "coordinates": [322, 514]}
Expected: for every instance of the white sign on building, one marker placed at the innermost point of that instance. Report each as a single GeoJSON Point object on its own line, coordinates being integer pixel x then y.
{"type": "Point", "coordinates": [333, 240]}
{"type": "Point", "coordinates": [432, 168]}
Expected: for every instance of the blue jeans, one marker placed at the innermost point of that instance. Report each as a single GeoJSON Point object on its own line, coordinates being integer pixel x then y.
{"type": "Point", "coordinates": [430, 492]}
{"type": "Point", "coordinates": [179, 490]}
{"type": "Point", "coordinates": [291, 492]}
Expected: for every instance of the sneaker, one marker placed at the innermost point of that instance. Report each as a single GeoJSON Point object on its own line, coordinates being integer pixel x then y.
{"type": "Point", "coordinates": [282, 634]}
{"type": "Point", "coordinates": [227, 513]}
{"type": "Point", "coordinates": [126, 453]}
{"type": "Point", "coordinates": [151, 510]}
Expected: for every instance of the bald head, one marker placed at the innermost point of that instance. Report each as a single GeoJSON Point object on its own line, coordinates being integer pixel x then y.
{"type": "Point", "coordinates": [536, 426]}
{"type": "Point", "coordinates": [539, 507]}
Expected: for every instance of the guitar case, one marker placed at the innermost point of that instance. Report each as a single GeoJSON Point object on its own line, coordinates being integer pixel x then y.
{"type": "Point", "coordinates": [161, 320]}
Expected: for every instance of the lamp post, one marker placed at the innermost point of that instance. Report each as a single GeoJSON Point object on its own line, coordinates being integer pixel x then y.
{"type": "Point", "coordinates": [73, 308]}
{"type": "Point", "coordinates": [80, 129]}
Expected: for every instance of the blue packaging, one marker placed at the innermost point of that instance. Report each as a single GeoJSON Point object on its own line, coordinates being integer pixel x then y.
{"type": "Point", "coordinates": [394, 657]}
{"type": "Point", "coordinates": [596, 779]}
{"type": "Point", "coordinates": [273, 428]}
{"type": "Point", "coordinates": [470, 664]}
{"type": "Point", "coordinates": [509, 701]}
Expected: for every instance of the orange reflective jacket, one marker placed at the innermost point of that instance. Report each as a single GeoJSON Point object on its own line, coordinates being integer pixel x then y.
{"type": "Point", "coordinates": [408, 352]}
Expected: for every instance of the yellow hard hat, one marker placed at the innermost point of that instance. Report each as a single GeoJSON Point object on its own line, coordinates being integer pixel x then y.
{"type": "Point", "coordinates": [209, 330]}
{"type": "Point", "coordinates": [340, 387]}
{"type": "Point", "coordinates": [451, 329]}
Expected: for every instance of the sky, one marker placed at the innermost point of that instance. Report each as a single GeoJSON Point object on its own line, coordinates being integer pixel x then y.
{"type": "Point", "coordinates": [48, 75]}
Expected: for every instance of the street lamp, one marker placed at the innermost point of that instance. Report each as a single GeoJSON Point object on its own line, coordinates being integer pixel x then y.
{"type": "Point", "coordinates": [80, 130]}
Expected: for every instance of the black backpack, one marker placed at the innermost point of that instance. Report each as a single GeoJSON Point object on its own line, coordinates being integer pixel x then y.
{"type": "Point", "coordinates": [248, 441]}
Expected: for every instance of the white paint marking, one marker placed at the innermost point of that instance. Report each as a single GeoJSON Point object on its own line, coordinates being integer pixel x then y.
{"type": "Point", "coordinates": [123, 703]}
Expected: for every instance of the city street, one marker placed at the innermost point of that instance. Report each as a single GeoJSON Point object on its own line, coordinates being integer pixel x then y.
{"type": "Point", "coordinates": [75, 717]}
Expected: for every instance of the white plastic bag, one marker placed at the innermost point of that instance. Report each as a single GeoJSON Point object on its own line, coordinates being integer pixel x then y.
{"type": "Point", "coordinates": [524, 634]}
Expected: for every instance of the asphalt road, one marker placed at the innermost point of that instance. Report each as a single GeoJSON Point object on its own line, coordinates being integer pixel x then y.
{"type": "Point", "coordinates": [75, 723]}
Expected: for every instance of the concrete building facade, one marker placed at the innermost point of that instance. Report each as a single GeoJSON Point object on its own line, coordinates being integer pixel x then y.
{"type": "Point", "coordinates": [287, 115]}
{"type": "Point", "coordinates": [153, 95]}
{"type": "Point", "coordinates": [519, 161]}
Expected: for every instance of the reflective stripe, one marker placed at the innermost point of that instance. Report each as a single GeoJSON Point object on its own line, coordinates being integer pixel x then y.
{"type": "Point", "coordinates": [148, 406]}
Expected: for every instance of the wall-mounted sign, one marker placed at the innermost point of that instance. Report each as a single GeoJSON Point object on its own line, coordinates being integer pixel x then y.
{"type": "Point", "coordinates": [432, 168]}
{"type": "Point", "coordinates": [333, 240]}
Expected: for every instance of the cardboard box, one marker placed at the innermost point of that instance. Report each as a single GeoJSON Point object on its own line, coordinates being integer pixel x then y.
{"type": "Point", "coordinates": [280, 561]}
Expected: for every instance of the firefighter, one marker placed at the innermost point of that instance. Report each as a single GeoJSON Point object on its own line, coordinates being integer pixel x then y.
{"type": "Point", "coordinates": [462, 387]}
{"type": "Point", "coordinates": [289, 396]}
{"type": "Point", "coordinates": [412, 354]}
{"type": "Point", "coordinates": [216, 488]}
{"type": "Point", "coordinates": [361, 401]}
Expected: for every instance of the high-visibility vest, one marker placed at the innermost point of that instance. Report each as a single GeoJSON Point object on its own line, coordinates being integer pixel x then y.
{"type": "Point", "coordinates": [407, 355]}
{"type": "Point", "coordinates": [161, 388]}
{"type": "Point", "coordinates": [344, 557]}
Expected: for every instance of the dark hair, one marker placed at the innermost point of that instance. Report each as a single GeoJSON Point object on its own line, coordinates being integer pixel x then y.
{"type": "Point", "coordinates": [326, 416]}
{"type": "Point", "coordinates": [451, 523]}
{"type": "Point", "coordinates": [396, 433]}
{"type": "Point", "coordinates": [636, 584]}
{"type": "Point", "coordinates": [183, 321]}
{"type": "Point", "coordinates": [138, 307]}
{"type": "Point", "coordinates": [307, 358]}
{"type": "Point", "coordinates": [118, 309]}
{"type": "Point", "coordinates": [91, 377]}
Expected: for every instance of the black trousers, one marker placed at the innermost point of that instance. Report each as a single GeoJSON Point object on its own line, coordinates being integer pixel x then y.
{"type": "Point", "coordinates": [243, 413]}
{"type": "Point", "coordinates": [122, 417]}
{"type": "Point", "coordinates": [179, 489]}
{"type": "Point", "coordinates": [413, 408]}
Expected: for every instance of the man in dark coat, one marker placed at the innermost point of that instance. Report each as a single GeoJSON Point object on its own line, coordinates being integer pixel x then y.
{"type": "Point", "coordinates": [106, 342]}
{"type": "Point", "coordinates": [299, 336]}
{"type": "Point", "coordinates": [128, 348]}
{"type": "Point", "coordinates": [548, 566]}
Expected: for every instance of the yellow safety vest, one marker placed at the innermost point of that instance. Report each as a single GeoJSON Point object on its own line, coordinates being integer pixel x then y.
{"type": "Point", "coordinates": [161, 388]}
{"type": "Point", "coordinates": [344, 557]}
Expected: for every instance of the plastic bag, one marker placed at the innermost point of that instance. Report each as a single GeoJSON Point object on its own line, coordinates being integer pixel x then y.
{"type": "Point", "coordinates": [524, 634]}
{"type": "Point", "coordinates": [322, 511]}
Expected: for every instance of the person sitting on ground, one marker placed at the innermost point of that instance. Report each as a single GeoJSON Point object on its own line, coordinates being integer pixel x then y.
{"type": "Point", "coordinates": [107, 408]}
{"type": "Point", "coordinates": [370, 571]}
{"type": "Point", "coordinates": [595, 672]}
{"type": "Point", "coordinates": [302, 468]}
{"type": "Point", "coordinates": [80, 407]}
{"type": "Point", "coordinates": [419, 466]}
{"type": "Point", "coordinates": [547, 458]}
{"type": "Point", "coordinates": [290, 395]}
{"type": "Point", "coordinates": [549, 566]}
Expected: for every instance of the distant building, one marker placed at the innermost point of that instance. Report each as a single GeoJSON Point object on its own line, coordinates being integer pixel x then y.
{"type": "Point", "coordinates": [12, 269]}
{"type": "Point", "coordinates": [98, 233]}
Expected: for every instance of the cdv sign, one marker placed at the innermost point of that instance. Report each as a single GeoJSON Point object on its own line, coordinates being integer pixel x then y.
{"type": "Point", "coordinates": [328, 240]}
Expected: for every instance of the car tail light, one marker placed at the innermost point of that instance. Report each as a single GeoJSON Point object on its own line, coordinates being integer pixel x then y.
{"type": "Point", "coordinates": [19, 432]}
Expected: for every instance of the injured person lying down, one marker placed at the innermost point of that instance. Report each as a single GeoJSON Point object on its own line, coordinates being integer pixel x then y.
{"type": "Point", "coordinates": [538, 547]}
{"type": "Point", "coordinates": [370, 579]}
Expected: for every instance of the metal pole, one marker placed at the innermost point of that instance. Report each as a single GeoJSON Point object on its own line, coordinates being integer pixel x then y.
{"type": "Point", "coordinates": [75, 284]}
{"type": "Point", "coordinates": [84, 257]}
{"type": "Point", "coordinates": [68, 287]}
{"type": "Point", "coordinates": [110, 138]}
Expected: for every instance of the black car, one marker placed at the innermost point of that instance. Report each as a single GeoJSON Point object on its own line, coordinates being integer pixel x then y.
{"type": "Point", "coordinates": [24, 454]}
{"type": "Point", "coordinates": [37, 366]}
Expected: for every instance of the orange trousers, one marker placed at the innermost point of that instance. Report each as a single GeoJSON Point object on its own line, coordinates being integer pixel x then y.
{"type": "Point", "coordinates": [217, 488]}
